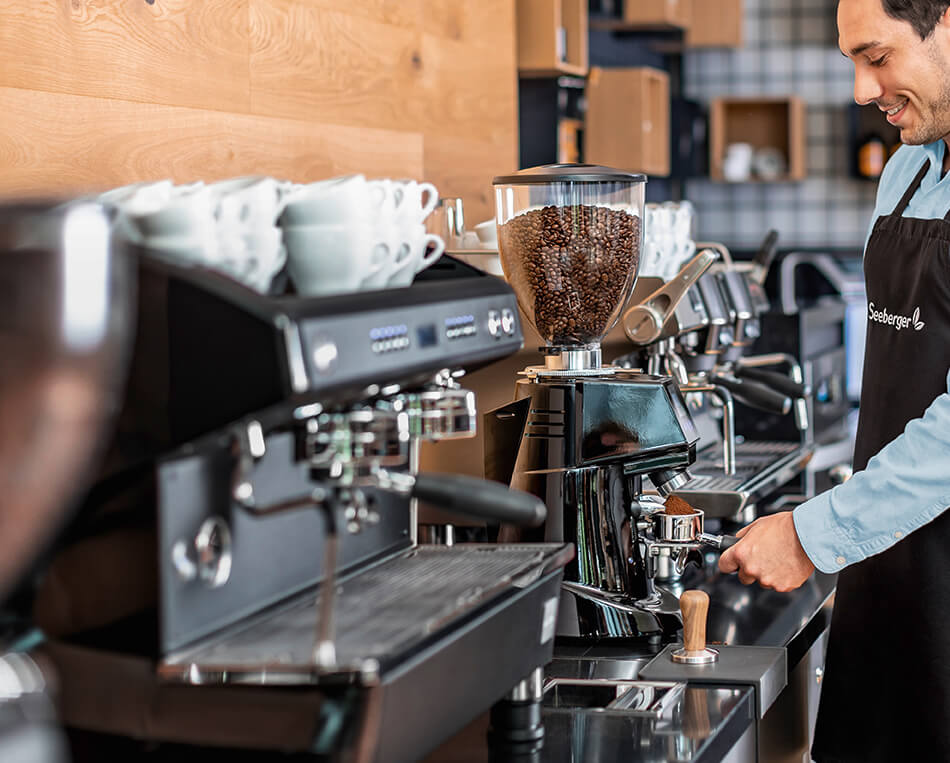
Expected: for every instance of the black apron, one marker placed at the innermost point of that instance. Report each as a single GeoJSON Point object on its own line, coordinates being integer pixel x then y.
{"type": "Point", "coordinates": [886, 691]}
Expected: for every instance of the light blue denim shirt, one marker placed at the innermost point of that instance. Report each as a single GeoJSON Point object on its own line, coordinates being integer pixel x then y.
{"type": "Point", "coordinates": [907, 484]}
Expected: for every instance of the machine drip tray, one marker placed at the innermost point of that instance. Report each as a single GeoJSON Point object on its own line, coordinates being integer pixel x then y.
{"type": "Point", "coordinates": [641, 698]}
{"type": "Point", "coordinates": [761, 467]}
{"type": "Point", "coordinates": [383, 614]}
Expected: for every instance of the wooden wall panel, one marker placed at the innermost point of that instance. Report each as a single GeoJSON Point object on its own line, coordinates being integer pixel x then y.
{"type": "Point", "coordinates": [303, 89]}
{"type": "Point", "coordinates": [66, 144]}
{"type": "Point", "coordinates": [176, 52]}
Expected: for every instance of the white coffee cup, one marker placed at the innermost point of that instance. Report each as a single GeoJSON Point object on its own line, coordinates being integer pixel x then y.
{"type": "Point", "coordinates": [423, 247]}
{"type": "Point", "coordinates": [415, 200]}
{"type": "Point", "coordinates": [253, 201]}
{"type": "Point", "coordinates": [139, 198]}
{"type": "Point", "coordinates": [333, 259]}
{"type": "Point", "coordinates": [347, 199]}
{"type": "Point", "coordinates": [188, 213]}
{"type": "Point", "coordinates": [487, 233]}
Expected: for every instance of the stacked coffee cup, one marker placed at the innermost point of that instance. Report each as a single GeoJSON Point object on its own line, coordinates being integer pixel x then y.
{"type": "Point", "coordinates": [229, 226]}
{"type": "Point", "coordinates": [348, 234]}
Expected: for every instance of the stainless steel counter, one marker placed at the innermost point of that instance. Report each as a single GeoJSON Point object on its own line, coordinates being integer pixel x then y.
{"type": "Point", "coordinates": [705, 723]}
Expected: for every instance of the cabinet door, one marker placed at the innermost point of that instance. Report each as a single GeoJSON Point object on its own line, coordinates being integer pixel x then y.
{"type": "Point", "coordinates": [627, 125]}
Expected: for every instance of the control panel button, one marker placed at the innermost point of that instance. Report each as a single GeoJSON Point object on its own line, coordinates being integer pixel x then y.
{"type": "Point", "coordinates": [324, 355]}
{"type": "Point", "coordinates": [508, 321]}
{"type": "Point", "coordinates": [494, 323]}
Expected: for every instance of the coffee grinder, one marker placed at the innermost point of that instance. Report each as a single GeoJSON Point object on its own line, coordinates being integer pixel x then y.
{"type": "Point", "coordinates": [581, 435]}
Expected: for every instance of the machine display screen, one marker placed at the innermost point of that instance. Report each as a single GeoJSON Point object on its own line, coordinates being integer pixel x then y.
{"type": "Point", "coordinates": [426, 335]}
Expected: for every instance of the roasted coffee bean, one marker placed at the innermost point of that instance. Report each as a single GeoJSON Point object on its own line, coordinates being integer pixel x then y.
{"type": "Point", "coordinates": [571, 267]}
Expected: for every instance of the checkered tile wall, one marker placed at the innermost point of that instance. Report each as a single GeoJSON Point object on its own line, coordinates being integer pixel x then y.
{"type": "Point", "coordinates": [790, 48]}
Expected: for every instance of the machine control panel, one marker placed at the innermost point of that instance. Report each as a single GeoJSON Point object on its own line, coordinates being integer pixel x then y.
{"type": "Point", "coordinates": [389, 338]}
{"type": "Point", "coordinates": [385, 344]}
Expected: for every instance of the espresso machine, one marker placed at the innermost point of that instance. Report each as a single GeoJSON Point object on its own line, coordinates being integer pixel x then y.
{"type": "Point", "coordinates": [580, 434]}
{"type": "Point", "coordinates": [702, 334]}
{"type": "Point", "coordinates": [258, 507]}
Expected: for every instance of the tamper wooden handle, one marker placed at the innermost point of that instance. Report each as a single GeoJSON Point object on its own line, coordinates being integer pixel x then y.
{"type": "Point", "coordinates": [694, 605]}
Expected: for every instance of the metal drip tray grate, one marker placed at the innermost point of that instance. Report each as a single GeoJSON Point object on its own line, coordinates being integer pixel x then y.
{"type": "Point", "coordinates": [382, 613]}
{"type": "Point", "coordinates": [761, 467]}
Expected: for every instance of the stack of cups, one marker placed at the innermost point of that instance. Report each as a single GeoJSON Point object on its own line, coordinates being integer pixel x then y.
{"type": "Point", "coordinates": [348, 233]}
{"type": "Point", "coordinates": [229, 226]}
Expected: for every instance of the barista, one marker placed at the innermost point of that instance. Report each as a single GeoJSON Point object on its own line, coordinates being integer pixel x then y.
{"type": "Point", "coordinates": [886, 692]}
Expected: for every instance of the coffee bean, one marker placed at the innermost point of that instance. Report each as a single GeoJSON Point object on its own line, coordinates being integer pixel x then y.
{"type": "Point", "coordinates": [570, 266]}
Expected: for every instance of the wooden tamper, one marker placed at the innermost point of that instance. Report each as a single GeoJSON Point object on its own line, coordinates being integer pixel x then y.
{"type": "Point", "coordinates": [694, 605]}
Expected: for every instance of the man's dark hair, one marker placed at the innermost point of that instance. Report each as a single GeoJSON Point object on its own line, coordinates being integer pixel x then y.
{"type": "Point", "coordinates": [922, 15]}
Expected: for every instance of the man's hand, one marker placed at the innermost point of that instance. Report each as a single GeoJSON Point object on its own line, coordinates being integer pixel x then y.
{"type": "Point", "coordinates": [769, 553]}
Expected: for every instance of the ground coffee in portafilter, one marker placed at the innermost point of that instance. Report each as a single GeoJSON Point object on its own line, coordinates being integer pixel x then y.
{"type": "Point", "coordinates": [677, 506]}
{"type": "Point", "coordinates": [571, 265]}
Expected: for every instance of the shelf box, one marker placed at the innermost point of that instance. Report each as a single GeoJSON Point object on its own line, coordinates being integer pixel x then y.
{"type": "Point", "coordinates": [762, 123]}
{"type": "Point", "coordinates": [658, 13]}
{"type": "Point", "coordinates": [552, 37]}
{"type": "Point", "coordinates": [627, 124]}
{"type": "Point", "coordinates": [715, 24]}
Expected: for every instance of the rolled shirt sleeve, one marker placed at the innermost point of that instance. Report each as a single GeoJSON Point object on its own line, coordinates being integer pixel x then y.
{"type": "Point", "coordinates": [905, 486]}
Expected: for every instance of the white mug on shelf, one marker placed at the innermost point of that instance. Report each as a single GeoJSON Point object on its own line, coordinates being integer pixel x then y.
{"type": "Point", "coordinates": [737, 162]}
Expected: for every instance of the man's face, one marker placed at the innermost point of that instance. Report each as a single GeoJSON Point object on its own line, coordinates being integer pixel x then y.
{"type": "Point", "coordinates": [901, 74]}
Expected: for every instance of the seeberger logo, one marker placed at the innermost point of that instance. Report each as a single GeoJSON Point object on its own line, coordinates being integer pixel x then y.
{"type": "Point", "coordinates": [897, 321]}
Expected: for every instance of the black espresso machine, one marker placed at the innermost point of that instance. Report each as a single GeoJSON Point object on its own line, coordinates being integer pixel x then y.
{"type": "Point", "coordinates": [244, 574]}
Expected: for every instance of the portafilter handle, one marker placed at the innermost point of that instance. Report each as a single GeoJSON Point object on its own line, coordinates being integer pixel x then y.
{"type": "Point", "coordinates": [479, 498]}
{"type": "Point", "coordinates": [643, 323]}
{"type": "Point", "coordinates": [694, 606]}
{"type": "Point", "coordinates": [722, 542]}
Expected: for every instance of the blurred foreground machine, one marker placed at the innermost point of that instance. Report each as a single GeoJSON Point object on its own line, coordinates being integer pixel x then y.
{"type": "Point", "coordinates": [67, 301]}
{"type": "Point", "coordinates": [244, 574]}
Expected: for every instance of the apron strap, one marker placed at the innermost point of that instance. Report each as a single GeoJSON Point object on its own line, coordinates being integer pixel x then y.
{"type": "Point", "coordinates": [911, 190]}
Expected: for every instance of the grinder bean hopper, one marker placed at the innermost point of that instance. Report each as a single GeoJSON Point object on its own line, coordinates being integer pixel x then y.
{"type": "Point", "coordinates": [579, 434]}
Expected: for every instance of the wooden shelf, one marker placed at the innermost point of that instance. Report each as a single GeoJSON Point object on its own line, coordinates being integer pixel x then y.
{"type": "Point", "coordinates": [762, 123]}
{"type": "Point", "coordinates": [552, 38]}
{"type": "Point", "coordinates": [658, 13]}
{"type": "Point", "coordinates": [627, 124]}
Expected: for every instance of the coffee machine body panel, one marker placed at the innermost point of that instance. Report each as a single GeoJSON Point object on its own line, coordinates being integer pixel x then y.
{"type": "Point", "coordinates": [269, 558]}
{"type": "Point", "coordinates": [583, 445]}
{"type": "Point", "coordinates": [289, 351]}
{"type": "Point", "coordinates": [570, 424]}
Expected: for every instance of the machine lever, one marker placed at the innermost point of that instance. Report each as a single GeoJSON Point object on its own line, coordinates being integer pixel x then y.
{"type": "Point", "coordinates": [643, 323]}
